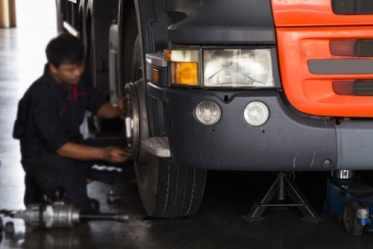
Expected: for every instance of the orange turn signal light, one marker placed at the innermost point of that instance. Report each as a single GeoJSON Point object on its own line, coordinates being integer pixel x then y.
{"type": "Point", "coordinates": [155, 75]}
{"type": "Point", "coordinates": [185, 73]}
{"type": "Point", "coordinates": [167, 54]}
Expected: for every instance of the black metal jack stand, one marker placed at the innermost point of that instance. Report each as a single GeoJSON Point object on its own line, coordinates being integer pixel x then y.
{"type": "Point", "coordinates": [281, 186]}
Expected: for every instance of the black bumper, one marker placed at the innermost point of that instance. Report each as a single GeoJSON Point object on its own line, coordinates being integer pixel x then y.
{"type": "Point", "coordinates": [286, 142]}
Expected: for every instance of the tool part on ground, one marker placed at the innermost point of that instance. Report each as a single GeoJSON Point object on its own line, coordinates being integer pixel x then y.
{"type": "Point", "coordinates": [350, 201]}
{"type": "Point", "coordinates": [61, 215]}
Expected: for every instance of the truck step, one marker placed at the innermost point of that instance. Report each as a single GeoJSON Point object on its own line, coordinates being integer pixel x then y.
{"type": "Point", "coordinates": [157, 146]}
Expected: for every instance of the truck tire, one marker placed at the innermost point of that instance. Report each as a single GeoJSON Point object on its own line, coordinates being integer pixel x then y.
{"type": "Point", "coordinates": [166, 189]}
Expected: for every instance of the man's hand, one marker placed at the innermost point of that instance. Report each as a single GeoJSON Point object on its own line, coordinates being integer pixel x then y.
{"type": "Point", "coordinates": [116, 155]}
{"type": "Point", "coordinates": [121, 104]}
{"type": "Point", "coordinates": [108, 110]}
{"type": "Point", "coordinates": [88, 153]}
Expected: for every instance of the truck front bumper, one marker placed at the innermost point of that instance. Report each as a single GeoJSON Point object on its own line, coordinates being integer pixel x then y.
{"type": "Point", "coordinates": [286, 142]}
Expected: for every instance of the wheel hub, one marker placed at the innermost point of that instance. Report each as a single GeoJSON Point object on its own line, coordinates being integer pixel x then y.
{"type": "Point", "coordinates": [136, 119]}
{"type": "Point", "coordinates": [132, 119]}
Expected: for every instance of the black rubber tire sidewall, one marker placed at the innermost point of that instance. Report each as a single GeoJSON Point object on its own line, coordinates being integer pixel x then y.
{"type": "Point", "coordinates": [166, 189]}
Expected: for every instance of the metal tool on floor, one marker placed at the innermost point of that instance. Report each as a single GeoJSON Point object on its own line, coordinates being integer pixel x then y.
{"type": "Point", "coordinates": [59, 214]}
{"type": "Point", "coordinates": [281, 187]}
{"type": "Point", "coordinates": [350, 201]}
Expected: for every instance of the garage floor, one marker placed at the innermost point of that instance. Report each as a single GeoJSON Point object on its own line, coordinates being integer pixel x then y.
{"type": "Point", "coordinates": [218, 224]}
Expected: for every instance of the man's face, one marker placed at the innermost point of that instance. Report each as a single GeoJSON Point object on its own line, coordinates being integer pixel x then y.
{"type": "Point", "coordinates": [67, 73]}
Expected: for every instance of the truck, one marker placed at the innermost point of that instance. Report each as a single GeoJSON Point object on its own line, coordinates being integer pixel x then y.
{"type": "Point", "coordinates": [231, 85]}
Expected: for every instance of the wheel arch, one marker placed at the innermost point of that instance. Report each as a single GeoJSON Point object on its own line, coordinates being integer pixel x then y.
{"type": "Point", "coordinates": [126, 15]}
{"type": "Point", "coordinates": [152, 21]}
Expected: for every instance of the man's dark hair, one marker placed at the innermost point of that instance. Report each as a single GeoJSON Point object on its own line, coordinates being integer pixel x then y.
{"type": "Point", "coordinates": [64, 48]}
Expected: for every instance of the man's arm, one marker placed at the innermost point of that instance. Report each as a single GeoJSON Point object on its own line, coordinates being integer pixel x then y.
{"type": "Point", "coordinates": [87, 153]}
{"type": "Point", "coordinates": [108, 110]}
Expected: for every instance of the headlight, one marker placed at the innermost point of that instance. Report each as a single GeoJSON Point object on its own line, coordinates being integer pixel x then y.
{"type": "Point", "coordinates": [208, 112]}
{"type": "Point", "coordinates": [184, 66]}
{"type": "Point", "coordinates": [238, 68]}
{"type": "Point", "coordinates": [241, 68]}
{"type": "Point", "coordinates": [256, 113]}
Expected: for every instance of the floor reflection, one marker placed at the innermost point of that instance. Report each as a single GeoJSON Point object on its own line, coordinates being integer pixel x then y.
{"type": "Point", "coordinates": [42, 238]}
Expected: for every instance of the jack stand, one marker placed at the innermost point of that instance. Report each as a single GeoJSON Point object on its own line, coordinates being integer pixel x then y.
{"type": "Point", "coordinates": [350, 201]}
{"type": "Point", "coordinates": [281, 186]}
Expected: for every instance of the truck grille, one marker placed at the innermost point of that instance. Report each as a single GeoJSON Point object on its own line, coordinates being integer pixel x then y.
{"type": "Point", "coordinates": [309, 68]}
{"type": "Point", "coordinates": [364, 47]}
{"type": "Point", "coordinates": [352, 7]}
{"type": "Point", "coordinates": [363, 87]}
{"type": "Point", "coordinates": [357, 88]}
{"type": "Point", "coordinates": [325, 52]}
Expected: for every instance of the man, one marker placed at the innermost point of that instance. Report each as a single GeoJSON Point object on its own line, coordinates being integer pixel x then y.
{"type": "Point", "coordinates": [54, 153]}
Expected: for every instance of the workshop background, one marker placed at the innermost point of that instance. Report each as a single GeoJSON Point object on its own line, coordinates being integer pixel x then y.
{"type": "Point", "coordinates": [228, 196]}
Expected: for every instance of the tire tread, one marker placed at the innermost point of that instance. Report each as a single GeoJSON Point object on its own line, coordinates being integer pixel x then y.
{"type": "Point", "coordinates": [182, 184]}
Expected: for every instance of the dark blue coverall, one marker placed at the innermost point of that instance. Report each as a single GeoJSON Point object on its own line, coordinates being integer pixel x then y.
{"type": "Point", "coordinates": [49, 115]}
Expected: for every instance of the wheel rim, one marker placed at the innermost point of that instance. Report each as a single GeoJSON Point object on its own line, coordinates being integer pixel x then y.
{"type": "Point", "coordinates": [132, 120]}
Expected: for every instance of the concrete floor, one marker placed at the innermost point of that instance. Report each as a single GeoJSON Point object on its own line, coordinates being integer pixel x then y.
{"type": "Point", "coordinates": [218, 224]}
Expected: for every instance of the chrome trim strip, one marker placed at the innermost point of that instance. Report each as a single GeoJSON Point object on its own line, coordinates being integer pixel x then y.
{"type": "Point", "coordinates": [156, 59]}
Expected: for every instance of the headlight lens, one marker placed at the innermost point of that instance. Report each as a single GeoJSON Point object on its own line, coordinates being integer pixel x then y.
{"type": "Point", "coordinates": [256, 113]}
{"type": "Point", "coordinates": [238, 68]}
{"type": "Point", "coordinates": [184, 73]}
{"type": "Point", "coordinates": [208, 112]}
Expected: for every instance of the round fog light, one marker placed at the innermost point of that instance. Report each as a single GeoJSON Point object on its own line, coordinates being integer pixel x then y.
{"type": "Point", "coordinates": [208, 112]}
{"type": "Point", "coordinates": [256, 113]}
